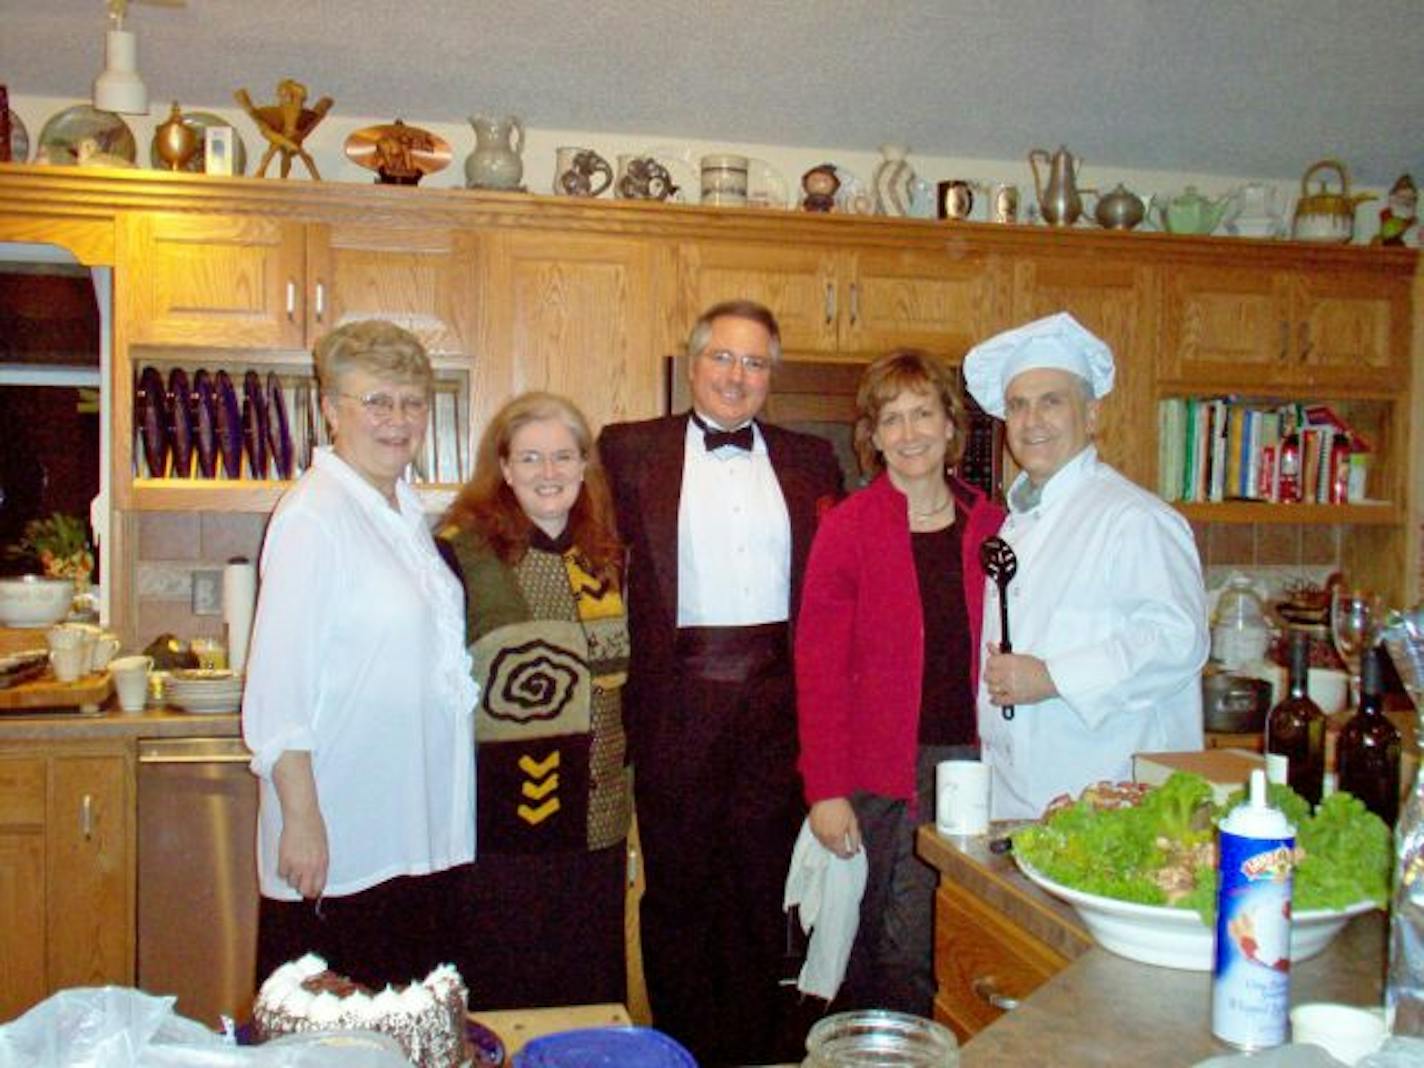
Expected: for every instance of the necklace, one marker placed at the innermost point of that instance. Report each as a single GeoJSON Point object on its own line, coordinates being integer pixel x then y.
{"type": "Point", "coordinates": [936, 510]}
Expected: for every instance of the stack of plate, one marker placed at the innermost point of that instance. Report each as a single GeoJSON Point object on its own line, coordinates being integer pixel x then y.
{"type": "Point", "coordinates": [204, 691]}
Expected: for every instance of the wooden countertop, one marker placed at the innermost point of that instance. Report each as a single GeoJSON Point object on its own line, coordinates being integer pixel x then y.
{"type": "Point", "coordinates": [1104, 1010]}
{"type": "Point", "coordinates": [110, 723]}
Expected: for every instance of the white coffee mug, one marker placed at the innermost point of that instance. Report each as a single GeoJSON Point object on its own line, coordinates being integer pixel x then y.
{"type": "Point", "coordinates": [69, 664]}
{"type": "Point", "coordinates": [724, 179]}
{"type": "Point", "coordinates": [130, 675]}
{"type": "Point", "coordinates": [962, 797]}
{"type": "Point", "coordinates": [105, 646]}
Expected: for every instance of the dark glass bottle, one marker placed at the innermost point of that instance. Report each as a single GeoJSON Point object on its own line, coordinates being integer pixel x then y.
{"type": "Point", "coordinates": [1367, 751]}
{"type": "Point", "coordinates": [1295, 731]}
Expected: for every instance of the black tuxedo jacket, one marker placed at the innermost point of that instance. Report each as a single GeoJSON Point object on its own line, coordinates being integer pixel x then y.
{"type": "Point", "coordinates": [644, 462]}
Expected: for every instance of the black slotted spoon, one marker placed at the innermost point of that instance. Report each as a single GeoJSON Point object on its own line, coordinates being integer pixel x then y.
{"type": "Point", "coordinates": [996, 557]}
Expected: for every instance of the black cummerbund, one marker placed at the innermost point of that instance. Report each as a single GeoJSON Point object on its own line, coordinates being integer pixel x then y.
{"type": "Point", "coordinates": [734, 654]}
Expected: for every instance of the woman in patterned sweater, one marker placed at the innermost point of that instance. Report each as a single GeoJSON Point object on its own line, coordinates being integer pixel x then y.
{"type": "Point", "coordinates": [534, 540]}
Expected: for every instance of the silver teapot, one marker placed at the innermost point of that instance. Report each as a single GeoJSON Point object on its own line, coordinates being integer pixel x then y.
{"type": "Point", "coordinates": [1058, 201]}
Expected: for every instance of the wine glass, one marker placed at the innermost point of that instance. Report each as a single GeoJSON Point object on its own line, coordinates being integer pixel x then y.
{"type": "Point", "coordinates": [1355, 618]}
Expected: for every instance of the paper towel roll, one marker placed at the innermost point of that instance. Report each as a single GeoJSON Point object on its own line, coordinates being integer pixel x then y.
{"type": "Point", "coordinates": [239, 602]}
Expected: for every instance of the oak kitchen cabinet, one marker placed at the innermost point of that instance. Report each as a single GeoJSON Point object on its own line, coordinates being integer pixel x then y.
{"type": "Point", "coordinates": [853, 300]}
{"type": "Point", "coordinates": [245, 281]}
{"type": "Point", "coordinates": [67, 877]}
{"type": "Point", "coordinates": [1312, 328]}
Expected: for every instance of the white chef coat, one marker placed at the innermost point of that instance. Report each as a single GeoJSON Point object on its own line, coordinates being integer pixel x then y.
{"type": "Point", "coordinates": [1108, 592]}
{"type": "Point", "coordinates": [358, 656]}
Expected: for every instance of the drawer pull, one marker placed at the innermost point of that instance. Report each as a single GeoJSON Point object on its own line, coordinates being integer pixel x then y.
{"type": "Point", "coordinates": [985, 990]}
{"type": "Point", "coordinates": [86, 816]}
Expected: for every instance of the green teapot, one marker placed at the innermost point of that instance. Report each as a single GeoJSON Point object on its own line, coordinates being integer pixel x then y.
{"type": "Point", "coordinates": [1189, 212]}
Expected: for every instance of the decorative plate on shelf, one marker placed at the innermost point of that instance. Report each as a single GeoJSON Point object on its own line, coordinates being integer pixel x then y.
{"type": "Point", "coordinates": [198, 122]}
{"type": "Point", "coordinates": [84, 133]}
{"type": "Point", "coordinates": [399, 154]}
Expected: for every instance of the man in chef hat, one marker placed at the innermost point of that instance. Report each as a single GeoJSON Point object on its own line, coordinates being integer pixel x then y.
{"type": "Point", "coordinates": [1107, 615]}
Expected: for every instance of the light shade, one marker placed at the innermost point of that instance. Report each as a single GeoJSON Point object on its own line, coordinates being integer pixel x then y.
{"type": "Point", "coordinates": [120, 88]}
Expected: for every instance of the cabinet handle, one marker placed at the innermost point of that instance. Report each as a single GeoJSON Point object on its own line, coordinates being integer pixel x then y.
{"type": "Point", "coordinates": [1285, 341]}
{"type": "Point", "coordinates": [985, 990]}
{"type": "Point", "coordinates": [830, 303]}
{"type": "Point", "coordinates": [86, 816]}
{"type": "Point", "coordinates": [1305, 343]}
{"type": "Point", "coordinates": [291, 300]}
{"type": "Point", "coordinates": [320, 301]}
{"type": "Point", "coordinates": [854, 303]}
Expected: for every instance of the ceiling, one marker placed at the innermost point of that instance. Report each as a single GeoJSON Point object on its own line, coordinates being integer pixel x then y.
{"type": "Point", "coordinates": [1257, 88]}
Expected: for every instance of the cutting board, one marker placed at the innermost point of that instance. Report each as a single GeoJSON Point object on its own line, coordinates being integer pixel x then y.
{"type": "Point", "coordinates": [21, 639]}
{"type": "Point", "coordinates": [86, 694]}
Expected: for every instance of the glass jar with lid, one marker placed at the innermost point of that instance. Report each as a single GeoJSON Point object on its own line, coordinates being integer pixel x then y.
{"type": "Point", "coordinates": [1239, 633]}
{"type": "Point", "coordinates": [876, 1037]}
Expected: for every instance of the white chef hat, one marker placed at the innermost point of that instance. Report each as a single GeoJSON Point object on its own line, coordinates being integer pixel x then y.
{"type": "Point", "coordinates": [1057, 341]}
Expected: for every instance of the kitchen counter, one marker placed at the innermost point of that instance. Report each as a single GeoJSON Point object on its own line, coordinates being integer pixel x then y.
{"type": "Point", "coordinates": [110, 723]}
{"type": "Point", "coordinates": [1104, 1010]}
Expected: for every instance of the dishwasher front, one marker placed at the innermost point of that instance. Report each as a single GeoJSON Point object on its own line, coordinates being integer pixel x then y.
{"type": "Point", "coordinates": [197, 875]}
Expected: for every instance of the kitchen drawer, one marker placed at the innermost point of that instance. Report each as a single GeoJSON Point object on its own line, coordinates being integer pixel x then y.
{"type": "Point", "coordinates": [22, 792]}
{"type": "Point", "coordinates": [981, 955]}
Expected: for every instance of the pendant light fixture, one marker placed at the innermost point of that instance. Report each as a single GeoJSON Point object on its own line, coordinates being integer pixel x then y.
{"type": "Point", "coordinates": [119, 88]}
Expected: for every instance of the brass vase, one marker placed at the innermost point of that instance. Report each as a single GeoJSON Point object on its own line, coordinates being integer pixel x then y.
{"type": "Point", "coordinates": [176, 141]}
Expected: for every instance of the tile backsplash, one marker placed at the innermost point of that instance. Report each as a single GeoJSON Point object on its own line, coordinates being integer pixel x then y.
{"type": "Point", "coordinates": [174, 545]}
{"type": "Point", "coordinates": [1273, 554]}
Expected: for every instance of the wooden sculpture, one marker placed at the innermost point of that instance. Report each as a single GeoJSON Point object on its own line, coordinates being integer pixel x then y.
{"type": "Point", "coordinates": [286, 125]}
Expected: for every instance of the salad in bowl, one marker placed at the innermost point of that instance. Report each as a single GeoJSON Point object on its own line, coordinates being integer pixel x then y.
{"type": "Point", "coordinates": [1139, 866]}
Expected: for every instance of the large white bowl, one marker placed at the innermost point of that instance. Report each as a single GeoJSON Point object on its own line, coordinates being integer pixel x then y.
{"type": "Point", "coordinates": [34, 601]}
{"type": "Point", "coordinates": [1177, 938]}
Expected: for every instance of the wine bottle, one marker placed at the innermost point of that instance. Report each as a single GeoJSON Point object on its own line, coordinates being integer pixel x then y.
{"type": "Point", "coordinates": [1367, 751]}
{"type": "Point", "coordinates": [1295, 731]}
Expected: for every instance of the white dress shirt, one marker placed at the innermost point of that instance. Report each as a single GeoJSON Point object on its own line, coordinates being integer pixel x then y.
{"type": "Point", "coordinates": [1108, 592]}
{"type": "Point", "coordinates": [733, 537]}
{"type": "Point", "coordinates": [358, 656]}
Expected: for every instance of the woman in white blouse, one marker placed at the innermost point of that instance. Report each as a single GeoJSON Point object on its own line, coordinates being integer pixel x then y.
{"type": "Point", "coordinates": [359, 697]}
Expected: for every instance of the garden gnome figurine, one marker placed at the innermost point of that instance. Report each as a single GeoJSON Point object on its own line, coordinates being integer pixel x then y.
{"type": "Point", "coordinates": [286, 125]}
{"type": "Point", "coordinates": [1399, 213]}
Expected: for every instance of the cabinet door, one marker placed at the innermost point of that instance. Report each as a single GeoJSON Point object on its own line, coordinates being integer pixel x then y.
{"type": "Point", "coordinates": [1352, 328]}
{"type": "Point", "coordinates": [422, 279]}
{"type": "Point", "coordinates": [983, 962]}
{"type": "Point", "coordinates": [799, 285]}
{"type": "Point", "coordinates": [936, 301]}
{"type": "Point", "coordinates": [574, 315]}
{"type": "Point", "coordinates": [215, 281]}
{"type": "Point", "coordinates": [89, 872]}
{"type": "Point", "coordinates": [1113, 299]}
{"type": "Point", "coordinates": [1226, 325]}
{"type": "Point", "coordinates": [22, 885]}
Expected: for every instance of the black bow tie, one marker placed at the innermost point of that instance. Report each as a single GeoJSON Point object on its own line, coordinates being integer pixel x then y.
{"type": "Point", "coordinates": [712, 438]}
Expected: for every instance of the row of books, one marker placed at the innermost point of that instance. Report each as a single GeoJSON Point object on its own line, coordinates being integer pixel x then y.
{"type": "Point", "coordinates": [1220, 449]}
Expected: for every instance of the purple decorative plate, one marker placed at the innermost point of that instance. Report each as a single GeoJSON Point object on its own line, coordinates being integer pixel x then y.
{"type": "Point", "coordinates": [279, 433]}
{"type": "Point", "coordinates": [229, 426]}
{"type": "Point", "coordinates": [205, 423]}
{"type": "Point", "coordinates": [254, 423]}
{"type": "Point", "coordinates": [151, 420]}
{"type": "Point", "coordinates": [180, 424]}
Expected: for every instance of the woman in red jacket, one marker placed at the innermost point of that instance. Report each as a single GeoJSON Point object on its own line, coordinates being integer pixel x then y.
{"type": "Point", "coordinates": [887, 663]}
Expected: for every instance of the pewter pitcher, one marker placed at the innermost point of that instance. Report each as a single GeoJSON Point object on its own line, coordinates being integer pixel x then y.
{"type": "Point", "coordinates": [1058, 202]}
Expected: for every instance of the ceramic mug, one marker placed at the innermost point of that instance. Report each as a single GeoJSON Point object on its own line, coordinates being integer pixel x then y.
{"type": "Point", "coordinates": [65, 636]}
{"type": "Point", "coordinates": [724, 179]}
{"type": "Point", "coordinates": [962, 797]}
{"type": "Point", "coordinates": [68, 664]}
{"type": "Point", "coordinates": [103, 650]}
{"type": "Point", "coordinates": [580, 172]}
{"type": "Point", "coordinates": [643, 178]}
{"type": "Point", "coordinates": [956, 199]}
{"type": "Point", "coordinates": [1003, 203]}
{"type": "Point", "coordinates": [130, 674]}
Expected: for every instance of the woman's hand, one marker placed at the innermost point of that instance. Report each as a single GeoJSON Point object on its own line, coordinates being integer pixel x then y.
{"type": "Point", "coordinates": [302, 855]}
{"type": "Point", "coordinates": [834, 824]}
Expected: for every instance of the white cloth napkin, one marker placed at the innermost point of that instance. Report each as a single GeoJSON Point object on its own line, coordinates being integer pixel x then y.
{"type": "Point", "coordinates": [827, 890]}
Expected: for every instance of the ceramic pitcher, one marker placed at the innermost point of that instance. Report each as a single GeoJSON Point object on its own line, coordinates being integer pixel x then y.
{"type": "Point", "coordinates": [495, 162]}
{"type": "Point", "coordinates": [1058, 201]}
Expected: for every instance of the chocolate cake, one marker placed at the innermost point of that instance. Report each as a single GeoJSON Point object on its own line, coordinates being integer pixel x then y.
{"type": "Point", "coordinates": [427, 1018]}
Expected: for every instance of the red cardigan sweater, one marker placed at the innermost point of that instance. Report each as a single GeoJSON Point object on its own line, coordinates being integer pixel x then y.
{"type": "Point", "coordinates": [860, 641]}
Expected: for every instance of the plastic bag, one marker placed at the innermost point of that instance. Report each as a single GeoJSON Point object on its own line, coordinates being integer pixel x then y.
{"type": "Point", "coordinates": [117, 1027]}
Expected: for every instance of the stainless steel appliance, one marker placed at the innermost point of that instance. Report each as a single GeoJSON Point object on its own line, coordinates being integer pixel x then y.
{"type": "Point", "coordinates": [197, 875]}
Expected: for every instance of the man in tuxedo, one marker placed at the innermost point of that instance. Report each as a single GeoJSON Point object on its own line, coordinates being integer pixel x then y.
{"type": "Point", "coordinates": [718, 511]}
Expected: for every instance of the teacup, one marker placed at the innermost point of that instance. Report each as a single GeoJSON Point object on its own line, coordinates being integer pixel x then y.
{"type": "Point", "coordinates": [580, 172]}
{"type": "Point", "coordinates": [105, 646]}
{"type": "Point", "coordinates": [130, 674]}
{"type": "Point", "coordinates": [643, 178]}
{"type": "Point", "coordinates": [69, 664]}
